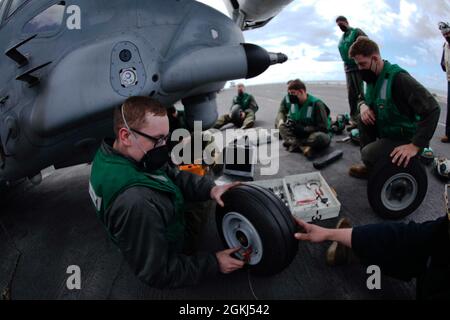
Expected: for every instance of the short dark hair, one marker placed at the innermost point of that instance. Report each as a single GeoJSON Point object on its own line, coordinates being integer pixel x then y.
{"type": "Point", "coordinates": [290, 81]}
{"type": "Point", "coordinates": [365, 47]}
{"type": "Point", "coordinates": [341, 18]}
{"type": "Point", "coordinates": [134, 110]}
{"type": "Point", "coordinates": [297, 85]}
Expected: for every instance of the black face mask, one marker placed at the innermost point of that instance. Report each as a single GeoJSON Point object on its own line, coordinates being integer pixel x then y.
{"type": "Point", "coordinates": [294, 99]}
{"type": "Point", "coordinates": [155, 158]}
{"type": "Point", "coordinates": [343, 28]}
{"type": "Point", "coordinates": [368, 75]}
{"type": "Point", "coordinates": [240, 93]}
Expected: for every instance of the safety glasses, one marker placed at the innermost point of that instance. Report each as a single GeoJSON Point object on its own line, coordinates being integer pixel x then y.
{"type": "Point", "coordinates": [157, 141]}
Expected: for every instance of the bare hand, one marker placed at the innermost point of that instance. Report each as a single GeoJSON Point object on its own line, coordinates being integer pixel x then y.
{"type": "Point", "coordinates": [368, 117]}
{"type": "Point", "coordinates": [402, 155]}
{"type": "Point", "coordinates": [228, 264]}
{"type": "Point", "coordinates": [312, 233]}
{"type": "Point", "coordinates": [218, 191]}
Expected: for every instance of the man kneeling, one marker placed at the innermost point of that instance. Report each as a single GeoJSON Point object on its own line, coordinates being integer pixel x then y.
{"type": "Point", "coordinates": [140, 199]}
{"type": "Point", "coordinates": [398, 115]}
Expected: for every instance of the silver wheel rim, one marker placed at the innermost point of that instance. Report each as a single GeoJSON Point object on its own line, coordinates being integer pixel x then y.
{"type": "Point", "coordinates": [399, 192]}
{"type": "Point", "coordinates": [238, 231]}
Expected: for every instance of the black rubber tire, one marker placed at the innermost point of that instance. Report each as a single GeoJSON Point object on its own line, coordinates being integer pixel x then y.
{"type": "Point", "coordinates": [381, 173]}
{"type": "Point", "coordinates": [236, 116]}
{"type": "Point", "coordinates": [273, 221]}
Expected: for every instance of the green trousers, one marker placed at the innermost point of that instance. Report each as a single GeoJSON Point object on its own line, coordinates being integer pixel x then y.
{"type": "Point", "coordinates": [373, 148]}
{"type": "Point", "coordinates": [354, 90]}
{"type": "Point", "coordinates": [317, 140]}
{"type": "Point", "coordinates": [249, 120]}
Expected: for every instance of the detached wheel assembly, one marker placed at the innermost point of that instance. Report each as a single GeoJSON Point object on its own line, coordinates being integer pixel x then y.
{"type": "Point", "coordinates": [236, 116]}
{"type": "Point", "coordinates": [257, 221]}
{"type": "Point", "coordinates": [396, 192]}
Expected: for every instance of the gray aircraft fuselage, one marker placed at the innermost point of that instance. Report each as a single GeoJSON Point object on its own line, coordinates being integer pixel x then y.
{"type": "Point", "coordinates": [68, 64]}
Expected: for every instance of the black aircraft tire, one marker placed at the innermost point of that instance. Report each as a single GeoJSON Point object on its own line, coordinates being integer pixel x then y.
{"type": "Point", "coordinates": [236, 116]}
{"type": "Point", "coordinates": [285, 220]}
{"type": "Point", "coordinates": [272, 221]}
{"type": "Point", "coordinates": [396, 192]}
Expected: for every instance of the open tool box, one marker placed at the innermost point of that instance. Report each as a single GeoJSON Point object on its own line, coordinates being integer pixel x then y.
{"type": "Point", "coordinates": [308, 196]}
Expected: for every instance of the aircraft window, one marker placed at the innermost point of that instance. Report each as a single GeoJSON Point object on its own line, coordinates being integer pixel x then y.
{"type": "Point", "coordinates": [48, 20]}
{"type": "Point", "coordinates": [15, 4]}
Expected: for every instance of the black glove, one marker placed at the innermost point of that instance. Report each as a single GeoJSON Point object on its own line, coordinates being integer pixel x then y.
{"type": "Point", "coordinates": [289, 124]}
{"type": "Point", "coordinates": [300, 131]}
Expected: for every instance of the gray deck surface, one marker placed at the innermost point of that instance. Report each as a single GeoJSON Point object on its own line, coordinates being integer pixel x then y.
{"type": "Point", "coordinates": [54, 226]}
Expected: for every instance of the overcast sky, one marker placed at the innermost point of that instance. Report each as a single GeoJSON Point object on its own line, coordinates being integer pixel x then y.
{"type": "Point", "coordinates": [406, 30]}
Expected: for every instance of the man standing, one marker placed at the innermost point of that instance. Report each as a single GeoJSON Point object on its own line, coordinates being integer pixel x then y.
{"type": "Point", "coordinates": [398, 115]}
{"type": "Point", "coordinates": [140, 199]}
{"type": "Point", "coordinates": [445, 63]}
{"type": "Point", "coordinates": [248, 108]}
{"type": "Point", "coordinates": [354, 81]}
{"type": "Point", "coordinates": [304, 121]}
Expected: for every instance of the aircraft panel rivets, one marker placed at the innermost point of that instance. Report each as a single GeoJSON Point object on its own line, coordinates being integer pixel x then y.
{"type": "Point", "coordinates": [128, 77]}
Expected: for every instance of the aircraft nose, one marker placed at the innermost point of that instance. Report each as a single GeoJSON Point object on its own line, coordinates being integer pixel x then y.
{"type": "Point", "coordinates": [279, 57]}
{"type": "Point", "coordinates": [259, 60]}
{"type": "Point", "coordinates": [214, 64]}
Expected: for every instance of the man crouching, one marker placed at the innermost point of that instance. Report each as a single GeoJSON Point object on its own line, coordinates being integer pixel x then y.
{"type": "Point", "coordinates": [140, 199]}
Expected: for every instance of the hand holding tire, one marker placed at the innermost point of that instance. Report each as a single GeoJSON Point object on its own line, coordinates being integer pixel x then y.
{"type": "Point", "coordinates": [228, 264]}
{"type": "Point", "coordinates": [218, 191]}
{"type": "Point", "coordinates": [401, 156]}
{"type": "Point", "coordinates": [311, 233]}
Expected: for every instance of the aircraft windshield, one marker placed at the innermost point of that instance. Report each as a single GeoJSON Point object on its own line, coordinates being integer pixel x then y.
{"type": "Point", "coordinates": [48, 20]}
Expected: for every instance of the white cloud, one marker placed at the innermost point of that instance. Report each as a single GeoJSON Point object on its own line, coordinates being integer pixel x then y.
{"type": "Point", "coordinates": [216, 4]}
{"type": "Point", "coordinates": [303, 63]}
{"type": "Point", "coordinates": [406, 15]}
{"type": "Point", "coordinates": [274, 42]}
{"type": "Point", "coordinates": [367, 14]}
{"type": "Point", "coordinates": [407, 61]}
{"type": "Point", "coordinates": [421, 51]}
{"type": "Point", "coordinates": [406, 31]}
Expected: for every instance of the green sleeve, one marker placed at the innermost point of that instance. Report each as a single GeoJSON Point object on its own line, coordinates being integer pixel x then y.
{"type": "Point", "coordinates": [411, 98]}
{"type": "Point", "coordinates": [253, 105]}
{"type": "Point", "coordinates": [284, 108]}
{"type": "Point", "coordinates": [321, 117]}
{"type": "Point", "coordinates": [138, 221]}
{"type": "Point", "coordinates": [282, 111]}
{"type": "Point", "coordinates": [194, 188]}
{"type": "Point", "coordinates": [360, 33]}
